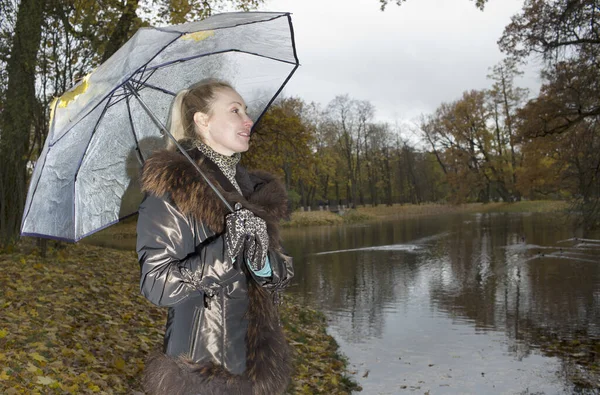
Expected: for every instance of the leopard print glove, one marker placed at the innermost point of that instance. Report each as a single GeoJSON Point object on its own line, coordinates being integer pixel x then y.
{"type": "Point", "coordinates": [244, 230]}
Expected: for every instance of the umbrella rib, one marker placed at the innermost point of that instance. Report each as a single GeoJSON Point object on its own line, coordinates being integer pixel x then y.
{"type": "Point", "coordinates": [57, 238]}
{"type": "Point", "coordinates": [81, 161]}
{"type": "Point", "coordinates": [141, 70]}
{"type": "Point", "coordinates": [293, 38]}
{"type": "Point", "coordinates": [279, 15]}
{"type": "Point", "coordinates": [276, 94]}
{"type": "Point", "coordinates": [137, 143]}
{"type": "Point", "coordinates": [105, 226]}
{"type": "Point", "coordinates": [145, 78]}
{"type": "Point", "coordinates": [216, 53]}
{"type": "Point", "coordinates": [42, 168]}
{"type": "Point", "coordinates": [108, 97]}
{"type": "Point", "coordinates": [147, 85]}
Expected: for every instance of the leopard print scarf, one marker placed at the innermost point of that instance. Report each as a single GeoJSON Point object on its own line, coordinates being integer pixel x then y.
{"type": "Point", "coordinates": [227, 164]}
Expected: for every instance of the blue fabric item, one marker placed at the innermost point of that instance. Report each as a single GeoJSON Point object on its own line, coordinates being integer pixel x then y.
{"type": "Point", "coordinates": [264, 272]}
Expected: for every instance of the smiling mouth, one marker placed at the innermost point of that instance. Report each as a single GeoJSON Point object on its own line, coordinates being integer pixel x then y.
{"type": "Point", "coordinates": [245, 134]}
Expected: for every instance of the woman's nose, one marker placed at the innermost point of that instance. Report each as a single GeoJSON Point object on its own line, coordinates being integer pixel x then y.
{"type": "Point", "coordinates": [248, 122]}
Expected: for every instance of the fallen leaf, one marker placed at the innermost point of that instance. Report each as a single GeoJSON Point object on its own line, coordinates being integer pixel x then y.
{"type": "Point", "coordinates": [37, 357]}
{"type": "Point", "coordinates": [45, 380]}
{"type": "Point", "coordinates": [119, 363]}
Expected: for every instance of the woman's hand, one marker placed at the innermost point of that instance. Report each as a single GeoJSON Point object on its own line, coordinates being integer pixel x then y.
{"type": "Point", "coordinates": [244, 230]}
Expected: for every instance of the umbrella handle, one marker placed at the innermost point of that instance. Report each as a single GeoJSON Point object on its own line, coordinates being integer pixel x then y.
{"type": "Point", "coordinates": [164, 130]}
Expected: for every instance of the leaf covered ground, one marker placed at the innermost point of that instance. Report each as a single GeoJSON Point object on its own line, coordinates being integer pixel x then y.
{"type": "Point", "coordinates": [75, 322]}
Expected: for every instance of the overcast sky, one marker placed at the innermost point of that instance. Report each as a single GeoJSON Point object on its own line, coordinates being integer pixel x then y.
{"type": "Point", "coordinates": [406, 60]}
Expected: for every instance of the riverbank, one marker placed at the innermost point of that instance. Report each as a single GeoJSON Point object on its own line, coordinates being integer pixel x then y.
{"type": "Point", "coordinates": [367, 213]}
{"type": "Point", "coordinates": [75, 322]}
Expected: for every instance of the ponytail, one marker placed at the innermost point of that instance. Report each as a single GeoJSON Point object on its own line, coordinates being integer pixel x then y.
{"type": "Point", "coordinates": [175, 123]}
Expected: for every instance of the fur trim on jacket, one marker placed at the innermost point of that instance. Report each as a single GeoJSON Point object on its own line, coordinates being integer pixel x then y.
{"type": "Point", "coordinates": [268, 356]}
{"type": "Point", "coordinates": [170, 173]}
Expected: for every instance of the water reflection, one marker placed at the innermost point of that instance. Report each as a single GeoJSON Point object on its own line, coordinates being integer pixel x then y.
{"type": "Point", "coordinates": [457, 303]}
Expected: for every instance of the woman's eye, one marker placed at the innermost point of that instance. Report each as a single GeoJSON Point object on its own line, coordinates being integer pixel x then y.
{"type": "Point", "coordinates": [235, 110]}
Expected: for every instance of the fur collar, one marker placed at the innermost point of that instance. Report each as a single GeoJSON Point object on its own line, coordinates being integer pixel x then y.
{"type": "Point", "coordinates": [170, 174]}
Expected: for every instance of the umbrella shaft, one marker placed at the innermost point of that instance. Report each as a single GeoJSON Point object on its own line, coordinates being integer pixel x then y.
{"type": "Point", "coordinates": [164, 130]}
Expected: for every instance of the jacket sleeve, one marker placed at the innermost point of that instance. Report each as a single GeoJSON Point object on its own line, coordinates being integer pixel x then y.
{"type": "Point", "coordinates": [282, 271]}
{"type": "Point", "coordinates": [167, 252]}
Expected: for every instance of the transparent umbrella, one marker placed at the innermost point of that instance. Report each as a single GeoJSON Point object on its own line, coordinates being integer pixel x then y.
{"type": "Point", "coordinates": [104, 128]}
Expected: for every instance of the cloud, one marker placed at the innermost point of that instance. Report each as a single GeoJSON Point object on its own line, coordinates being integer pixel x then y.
{"type": "Point", "coordinates": [406, 60]}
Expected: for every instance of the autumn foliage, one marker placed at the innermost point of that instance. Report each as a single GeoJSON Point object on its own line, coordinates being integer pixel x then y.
{"type": "Point", "coordinates": [76, 323]}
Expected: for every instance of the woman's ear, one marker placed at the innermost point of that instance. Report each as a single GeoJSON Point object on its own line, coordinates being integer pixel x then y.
{"type": "Point", "coordinates": [201, 120]}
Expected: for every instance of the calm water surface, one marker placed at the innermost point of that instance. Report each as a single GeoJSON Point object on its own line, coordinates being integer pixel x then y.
{"type": "Point", "coordinates": [455, 304]}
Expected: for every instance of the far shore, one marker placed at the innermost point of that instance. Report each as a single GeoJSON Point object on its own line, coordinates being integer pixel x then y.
{"type": "Point", "coordinates": [368, 213]}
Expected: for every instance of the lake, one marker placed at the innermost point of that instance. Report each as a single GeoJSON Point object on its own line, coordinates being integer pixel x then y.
{"type": "Point", "coordinates": [458, 303]}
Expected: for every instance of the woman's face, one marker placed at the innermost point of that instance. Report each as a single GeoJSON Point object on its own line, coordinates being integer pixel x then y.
{"type": "Point", "coordinates": [227, 129]}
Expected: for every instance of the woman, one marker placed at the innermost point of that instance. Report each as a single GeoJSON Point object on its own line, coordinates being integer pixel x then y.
{"type": "Point", "coordinates": [218, 273]}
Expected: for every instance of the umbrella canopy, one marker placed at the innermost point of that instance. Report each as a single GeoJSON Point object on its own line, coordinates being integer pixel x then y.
{"type": "Point", "coordinates": [103, 129]}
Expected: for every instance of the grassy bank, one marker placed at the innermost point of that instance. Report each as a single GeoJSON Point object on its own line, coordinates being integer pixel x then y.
{"type": "Point", "coordinates": [367, 213]}
{"type": "Point", "coordinates": [76, 323]}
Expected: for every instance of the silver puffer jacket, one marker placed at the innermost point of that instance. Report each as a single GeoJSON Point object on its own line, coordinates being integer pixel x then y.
{"type": "Point", "coordinates": [222, 334]}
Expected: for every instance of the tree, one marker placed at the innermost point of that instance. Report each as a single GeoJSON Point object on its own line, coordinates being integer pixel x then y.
{"type": "Point", "coordinates": [465, 139]}
{"type": "Point", "coordinates": [505, 100]}
{"type": "Point", "coordinates": [17, 116]}
{"type": "Point", "coordinates": [564, 148]}
{"type": "Point", "coordinates": [555, 29]}
{"type": "Point", "coordinates": [349, 119]}
{"type": "Point", "coordinates": [566, 36]}
{"type": "Point", "coordinates": [281, 144]}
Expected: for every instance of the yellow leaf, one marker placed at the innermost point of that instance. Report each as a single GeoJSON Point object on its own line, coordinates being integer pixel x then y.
{"type": "Point", "coordinates": [73, 389]}
{"type": "Point", "coordinates": [198, 36]}
{"type": "Point", "coordinates": [3, 333]}
{"type": "Point", "coordinates": [66, 352]}
{"type": "Point", "coordinates": [22, 261]}
{"type": "Point", "coordinates": [74, 93]}
{"type": "Point", "coordinates": [93, 387]}
{"type": "Point", "coordinates": [89, 358]}
{"type": "Point", "coordinates": [45, 380]}
{"type": "Point", "coordinates": [40, 346]}
{"type": "Point", "coordinates": [4, 376]}
{"type": "Point", "coordinates": [37, 357]}
{"type": "Point", "coordinates": [33, 369]}
{"type": "Point", "coordinates": [119, 363]}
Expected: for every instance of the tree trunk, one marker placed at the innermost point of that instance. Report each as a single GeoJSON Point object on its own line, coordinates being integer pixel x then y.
{"type": "Point", "coordinates": [388, 180]}
{"type": "Point", "coordinates": [17, 117]}
{"type": "Point", "coordinates": [326, 188]}
{"type": "Point", "coordinates": [121, 33]}
{"type": "Point", "coordinates": [311, 195]}
{"type": "Point", "coordinates": [302, 194]}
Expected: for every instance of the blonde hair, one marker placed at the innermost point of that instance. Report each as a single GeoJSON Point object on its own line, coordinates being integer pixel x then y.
{"type": "Point", "coordinates": [197, 98]}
